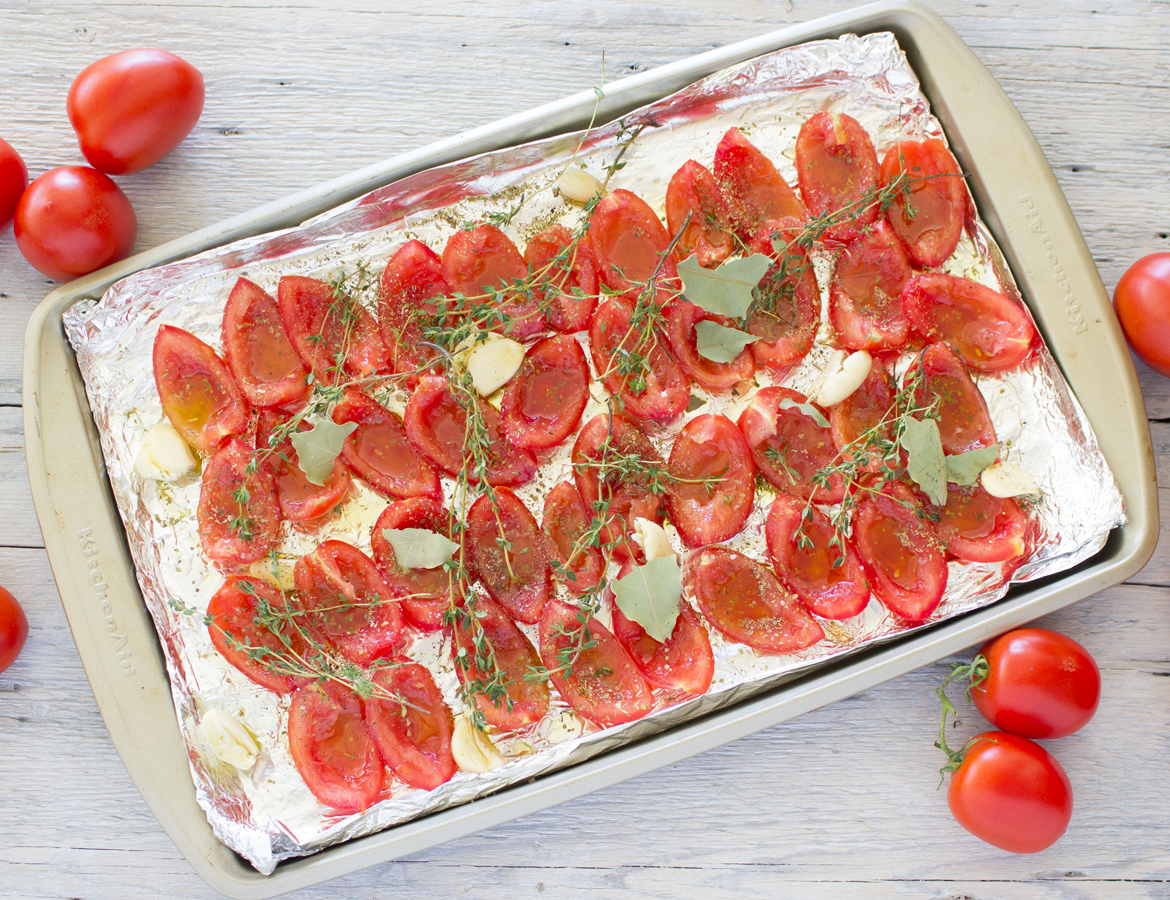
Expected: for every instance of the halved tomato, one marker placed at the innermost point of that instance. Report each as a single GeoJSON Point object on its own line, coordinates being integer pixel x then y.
{"type": "Point", "coordinates": [411, 299]}
{"type": "Point", "coordinates": [544, 400]}
{"type": "Point", "coordinates": [379, 451]}
{"type": "Point", "coordinates": [683, 662]}
{"type": "Point", "coordinates": [828, 579]}
{"type": "Point", "coordinates": [628, 242]}
{"type": "Point", "coordinates": [788, 447]}
{"type": "Point", "coordinates": [990, 332]}
{"type": "Point", "coordinates": [425, 594]}
{"type": "Point", "coordinates": [436, 423]}
{"type": "Point", "coordinates": [978, 527]}
{"type": "Point", "coordinates": [901, 551]}
{"type": "Point", "coordinates": [865, 300]}
{"type": "Point", "coordinates": [712, 481]}
{"type": "Point", "coordinates": [563, 266]}
{"type": "Point", "coordinates": [565, 520]}
{"type": "Point", "coordinates": [693, 192]}
{"type": "Point", "coordinates": [197, 390]}
{"type": "Point", "coordinates": [635, 364]}
{"type": "Point", "coordinates": [746, 602]}
{"type": "Point", "coordinates": [487, 641]}
{"type": "Point", "coordinates": [681, 319]}
{"type": "Point", "coordinates": [300, 500]}
{"type": "Point", "coordinates": [928, 213]}
{"type": "Point", "coordinates": [332, 748]}
{"type": "Point", "coordinates": [510, 554]}
{"type": "Point", "coordinates": [346, 599]}
{"type": "Point", "coordinates": [863, 423]}
{"type": "Point", "coordinates": [333, 333]}
{"type": "Point", "coordinates": [786, 304]}
{"type": "Point", "coordinates": [838, 172]}
{"type": "Point", "coordinates": [484, 265]}
{"type": "Point", "coordinates": [600, 681]}
{"type": "Point", "coordinates": [267, 368]}
{"type": "Point", "coordinates": [755, 192]}
{"type": "Point", "coordinates": [964, 422]}
{"type": "Point", "coordinates": [411, 725]}
{"type": "Point", "coordinates": [238, 513]}
{"type": "Point", "coordinates": [245, 625]}
{"type": "Point", "coordinates": [610, 459]}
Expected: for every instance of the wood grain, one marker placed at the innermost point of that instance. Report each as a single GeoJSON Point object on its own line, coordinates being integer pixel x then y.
{"type": "Point", "coordinates": [839, 803]}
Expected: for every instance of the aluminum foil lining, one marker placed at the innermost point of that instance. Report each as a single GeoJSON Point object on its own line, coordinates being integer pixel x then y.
{"type": "Point", "coordinates": [266, 813]}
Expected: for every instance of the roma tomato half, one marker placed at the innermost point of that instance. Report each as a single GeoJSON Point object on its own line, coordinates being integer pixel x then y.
{"type": "Point", "coordinates": [133, 108]}
{"type": "Point", "coordinates": [511, 555]}
{"type": "Point", "coordinates": [249, 625]}
{"type": "Point", "coordinates": [929, 210]}
{"type": "Point", "coordinates": [838, 170]}
{"type": "Point", "coordinates": [330, 331]}
{"type": "Point", "coordinates": [865, 300]}
{"type": "Point", "coordinates": [565, 520]}
{"type": "Point", "coordinates": [654, 388]}
{"type": "Point", "coordinates": [1142, 300]}
{"type": "Point", "coordinates": [1011, 793]}
{"type": "Point", "coordinates": [74, 220]}
{"type": "Point", "coordinates": [755, 192]}
{"type": "Point", "coordinates": [788, 447]}
{"type": "Point", "coordinates": [712, 481]}
{"type": "Point", "coordinates": [197, 390]}
{"type": "Point", "coordinates": [411, 298]}
{"type": "Point", "coordinates": [628, 242]}
{"type": "Point", "coordinates": [566, 276]}
{"type": "Point", "coordinates": [543, 402]}
{"type": "Point", "coordinates": [411, 725]}
{"type": "Point", "coordinates": [964, 421]}
{"type": "Point", "coordinates": [238, 513]}
{"type": "Point", "coordinates": [13, 181]}
{"type": "Point", "coordinates": [424, 593]}
{"type": "Point", "coordinates": [380, 452]}
{"type": "Point", "coordinates": [258, 351]}
{"type": "Point", "coordinates": [332, 749]}
{"type": "Point", "coordinates": [696, 206]}
{"type": "Point", "coordinates": [1039, 684]}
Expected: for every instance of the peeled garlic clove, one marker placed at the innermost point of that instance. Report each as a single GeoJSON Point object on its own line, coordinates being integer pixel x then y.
{"type": "Point", "coordinates": [564, 727]}
{"type": "Point", "coordinates": [229, 739]}
{"type": "Point", "coordinates": [578, 186]}
{"type": "Point", "coordinates": [651, 537]}
{"type": "Point", "coordinates": [164, 456]}
{"type": "Point", "coordinates": [843, 377]}
{"type": "Point", "coordinates": [277, 572]}
{"type": "Point", "coordinates": [1006, 479]}
{"type": "Point", "coordinates": [473, 750]}
{"type": "Point", "coordinates": [493, 363]}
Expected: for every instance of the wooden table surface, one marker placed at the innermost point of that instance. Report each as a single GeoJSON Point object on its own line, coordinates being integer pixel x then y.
{"type": "Point", "coordinates": [839, 803]}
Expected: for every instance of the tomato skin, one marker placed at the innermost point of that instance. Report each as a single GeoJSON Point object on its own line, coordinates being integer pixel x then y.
{"type": "Point", "coordinates": [423, 593]}
{"type": "Point", "coordinates": [710, 446]}
{"type": "Point", "coordinates": [603, 686]}
{"type": "Point", "coordinates": [13, 629]}
{"type": "Point", "coordinates": [746, 602]}
{"type": "Point", "coordinates": [415, 740]}
{"type": "Point", "coordinates": [1011, 793]}
{"type": "Point", "coordinates": [544, 400]}
{"type": "Point", "coordinates": [901, 552]}
{"type": "Point", "coordinates": [380, 452]}
{"type": "Point", "coordinates": [1040, 684]}
{"type": "Point", "coordinates": [223, 475]}
{"type": "Point", "coordinates": [805, 447]}
{"type": "Point", "coordinates": [786, 304]}
{"type": "Point", "coordinates": [197, 390]}
{"type": "Point", "coordinates": [482, 261]}
{"type": "Point", "coordinates": [1142, 301]}
{"type": "Point", "coordinates": [628, 241]}
{"type": "Point", "coordinates": [564, 520]}
{"type": "Point", "coordinates": [831, 591]}
{"type": "Point", "coordinates": [990, 332]}
{"type": "Point", "coordinates": [520, 582]}
{"type": "Point", "coordinates": [964, 421]}
{"type": "Point", "coordinates": [930, 222]}
{"type": "Point", "coordinates": [331, 746]}
{"type": "Point", "coordinates": [755, 192]}
{"type": "Point", "coordinates": [133, 108]}
{"type": "Point", "coordinates": [837, 168]}
{"type": "Point", "coordinates": [348, 602]}
{"type": "Point", "coordinates": [315, 318]}
{"type": "Point", "coordinates": [666, 390]}
{"type": "Point", "coordinates": [681, 318]}
{"type": "Point", "coordinates": [411, 297]}
{"type": "Point", "coordinates": [694, 191]}
{"type": "Point", "coordinates": [528, 701]}
{"type": "Point", "coordinates": [865, 300]}
{"type": "Point", "coordinates": [13, 181]}
{"type": "Point", "coordinates": [977, 527]}
{"type": "Point", "coordinates": [73, 220]}
{"type": "Point", "coordinates": [232, 612]}
{"type": "Point", "coordinates": [256, 346]}
{"type": "Point", "coordinates": [565, 311]}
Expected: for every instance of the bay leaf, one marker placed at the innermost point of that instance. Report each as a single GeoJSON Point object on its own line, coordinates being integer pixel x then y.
{"type": "Point", "coordinates": [808, 409]}
{"type": "Point", "coordinates": [418, 548]}
{"type": "Point", "coordinates": [924, 464]}
{"type": "Point", "coordinates": [719, 343]}
{"type": "Point", "coordinates": [964, 468]}
{"type": "Point", "coordinates": [319, 447]}
{"type": "Point", "coordinates": [650, 595]}
{"type": "Point", "coordinates": [726, 290]}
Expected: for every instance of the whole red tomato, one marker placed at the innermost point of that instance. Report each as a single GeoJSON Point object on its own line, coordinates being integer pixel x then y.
{"type": "Point", "coordinates": [13, 629]}
{"type": "Point", "coordinates": [73, 220]}
{"type": "Point", "coordinates": [133, 108]}
{"type": "Point", "coordinates": [1142, 300]}
{"type": "Point", "coordinates": [13, 181]}
{"type": "Point", "coordinates": [1011, 793]}
{"type": "Point", "coordinates": [1039, 684]}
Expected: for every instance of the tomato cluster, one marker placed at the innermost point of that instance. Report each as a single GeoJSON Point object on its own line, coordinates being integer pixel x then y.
{"type": "Point", "coordinates": [129, 110]}
{"type": "Point", "coordinates": [1007, 789]}
{"type": "Point", "coordinates": [602, 305]}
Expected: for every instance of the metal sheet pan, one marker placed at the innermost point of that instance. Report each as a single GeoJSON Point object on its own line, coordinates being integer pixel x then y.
{"type": "Point", "coordinates": [1017, 196]}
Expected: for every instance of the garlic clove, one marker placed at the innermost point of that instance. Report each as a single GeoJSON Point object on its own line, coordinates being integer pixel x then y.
{"type": "Point", "coordinates": [230, 739]}
{"type": "Point", "coordinates": [578, 186]}
{"type": "Point", "coordinates": [473, 750]}
{"type": "Point", "coordinates": [493, 363]}
{"type": "Point", "coordinates": [1006, 479]}
{"type": "Point", "coordinates": [564, 727]}
{"type": "Point", "coordinates": [843, 376]}
{"type": "Point", "coordinates": [652, 538]}
{"type": "Point", "coordinates": [164, 455]}
{"type": "Point", "coordinates": [277, 572]}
